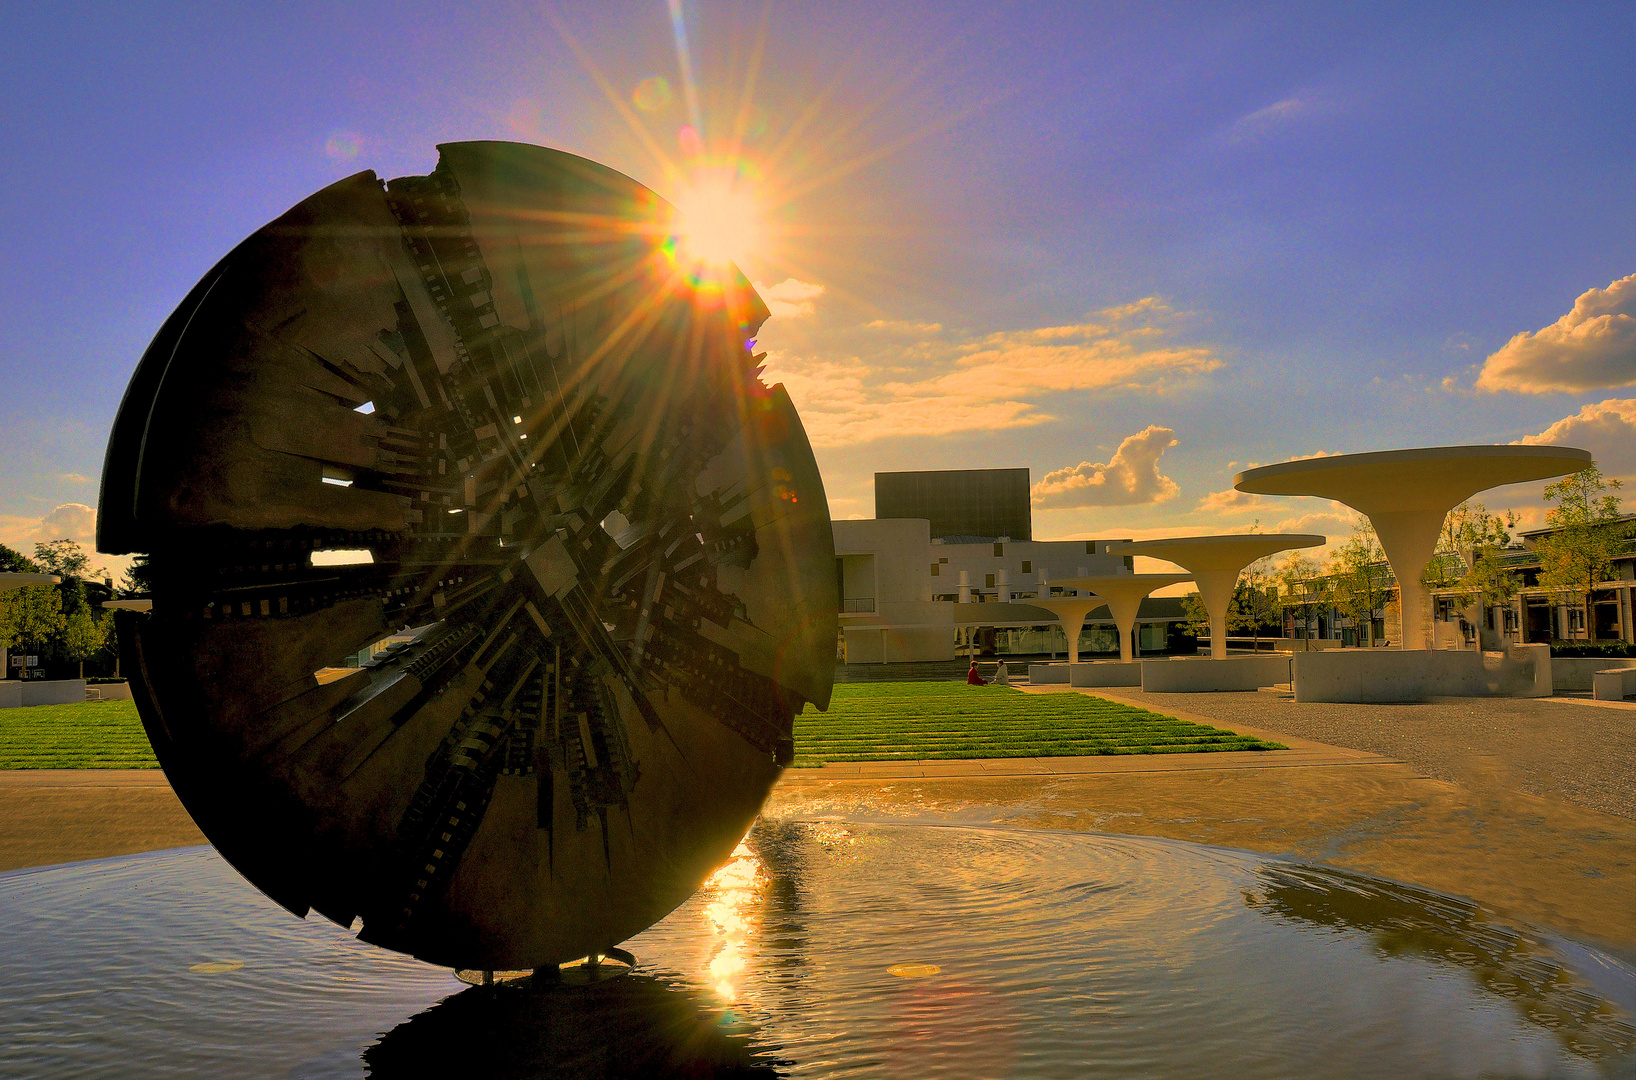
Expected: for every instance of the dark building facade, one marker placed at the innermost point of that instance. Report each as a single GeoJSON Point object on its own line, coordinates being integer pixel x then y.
{"type": "Point", "coordinates": [972, 504]}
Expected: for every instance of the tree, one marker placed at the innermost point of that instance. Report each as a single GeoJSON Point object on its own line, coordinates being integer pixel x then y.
{"type": "Point", "coordinates": [1467, 557]}
{"type": "Point", "coordinates": [64, 558]}
{"type": "Point", "coordinates": [1587, 534]}
{"type": "Point", "coordinates": [83, 633]}
{"type": "Point", "coordinates": [30, 617]}
{"type": "Point", "coordinates": [1360, 577]}
{"type": "Point", "coordinates": [15, 562]}
{"type": "Point", "coordinates": [1303, 584]}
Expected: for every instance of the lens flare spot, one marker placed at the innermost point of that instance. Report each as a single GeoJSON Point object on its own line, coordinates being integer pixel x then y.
{"type": "Point", "coordinates": [343, 145]}
{"type": "Point", "coordinates": [652, 94]}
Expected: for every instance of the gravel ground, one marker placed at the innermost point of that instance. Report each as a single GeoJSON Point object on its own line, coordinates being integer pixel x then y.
{"type": "Point", "coordinates": [1581, 753]}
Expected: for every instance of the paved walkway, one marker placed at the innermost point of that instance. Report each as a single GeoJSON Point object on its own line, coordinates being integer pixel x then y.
{"type": "Point", "coordinates": [65, 815]}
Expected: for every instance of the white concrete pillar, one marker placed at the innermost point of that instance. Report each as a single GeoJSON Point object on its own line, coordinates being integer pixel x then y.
{"type": "Point", "coordinates": [1003, 582]}
{"type": "Point", "coordinates": [965, 586]}
{"type": "Point", "coordinates": [1408, 537]}
{"type": "Point", "coordinates": [1216, 591]}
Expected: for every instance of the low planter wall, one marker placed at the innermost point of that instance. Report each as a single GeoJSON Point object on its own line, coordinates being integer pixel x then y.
{"type": "Point", "coordinates": [40, 692]}
{"type": "Point", "coordinates": [1614, 684]}
{"type": "Point", "coordinates": [1388, 675]}
{"type": "Point", "coordinates": [1106, 673]}
{"type": "Point", "coordinates": [1047, 673]}
{"type": "Point", "coordinates": [1203, 674]}
{"type": "Point", "coordinates": [1577, 672]}
{"type": "Point", "coordinates": [108, 691]}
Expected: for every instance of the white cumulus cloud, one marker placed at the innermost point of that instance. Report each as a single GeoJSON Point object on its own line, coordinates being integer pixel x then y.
{"type": "Point", "coordinates": [1130, 477]}
{"type": "Point", "coordinates": [1607, 429]}
{"type": "Point", "coordinates": [790, 298]}
{"type": "Point", "coordinates": [1592, 347]}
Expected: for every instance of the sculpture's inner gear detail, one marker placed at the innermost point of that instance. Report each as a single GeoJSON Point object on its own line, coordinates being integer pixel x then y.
{"type": "Point", "coordinates": [480, 423]}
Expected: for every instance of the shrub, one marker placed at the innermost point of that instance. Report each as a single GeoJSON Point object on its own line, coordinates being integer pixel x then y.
{"type": "Point", "coordinates": [1592, 649]}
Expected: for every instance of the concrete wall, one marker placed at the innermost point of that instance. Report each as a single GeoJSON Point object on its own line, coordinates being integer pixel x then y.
{"type": "Point", "coordinates": [109, 691]}
{"type": "Point", "coordinates": [1295, 645]}
{"type": "Point", "coordinates": [1106, 673]}
{"type": "Point", "coordinates": [1519, 671]}
{"type": "Point", "coordinates": [1047, 673]}
{"type": "Point", "coordinates": [40, 692]}
{"type": "Point", "coordinates": [1577, 672]}
{"type": "Point", "coordinates": [1387, 675]}
{"type": "Point", "coordinates": [1613, 685]}
{"type": "Point", "coordinates": [1202, 674]}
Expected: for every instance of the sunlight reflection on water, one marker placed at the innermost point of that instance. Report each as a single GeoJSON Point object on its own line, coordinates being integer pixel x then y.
{"type": "Point", "coordinates": [832, 949]}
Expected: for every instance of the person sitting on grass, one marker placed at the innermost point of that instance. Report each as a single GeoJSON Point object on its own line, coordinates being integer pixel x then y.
{"type": "Point", "coordinates": [1002, 675]}
{"type": "Point", "coordinates": [974, 679]}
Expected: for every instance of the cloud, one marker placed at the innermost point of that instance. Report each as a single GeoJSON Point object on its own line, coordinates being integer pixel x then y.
{"type": "Point", "coordinates": [899, 326]}
{"type": "Point", "coordinates": [1268, 120]}
{"type": "Point", "coordinates": [73, 478]}
{"type": "Point", "coordinates": [1230, 501]}
{"type": "Point", "coordinates": [68, 521]}
{"type": "Point", "coordinates": [931, 383]}
{"type": "Point", "coordinates": [1607, 429]}
{"type": "Point", "coordinates": [1593, 347]}
{"type": "Point", "coordinates": [790, 298]}
{"type": "Point", "coordinates": [1130, 478]}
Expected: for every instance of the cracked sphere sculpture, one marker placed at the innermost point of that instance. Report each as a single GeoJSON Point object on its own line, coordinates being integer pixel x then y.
{"type": "Point", "coordinates": [496, 419]}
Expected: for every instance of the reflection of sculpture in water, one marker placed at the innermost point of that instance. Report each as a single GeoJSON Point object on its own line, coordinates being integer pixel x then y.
{"type": "Point", "coordinates": [1404, 921]}
{"type": "Point", "coordinates": [488, 577]}
{"type": "Point", "coordinates": [634, 1027]}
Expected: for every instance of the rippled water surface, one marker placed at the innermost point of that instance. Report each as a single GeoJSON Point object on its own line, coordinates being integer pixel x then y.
{"type": "Point", "coordinates": [831, 950]}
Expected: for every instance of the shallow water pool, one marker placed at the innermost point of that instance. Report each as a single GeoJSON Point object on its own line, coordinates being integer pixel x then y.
{"type": "Point", "coordinates": [830, 949]}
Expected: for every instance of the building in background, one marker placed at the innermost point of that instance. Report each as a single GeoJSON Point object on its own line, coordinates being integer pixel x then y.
{"type": "Point", "coordinates": [972, 505]}
{"type": "Point", "coordinates": [918, 588]}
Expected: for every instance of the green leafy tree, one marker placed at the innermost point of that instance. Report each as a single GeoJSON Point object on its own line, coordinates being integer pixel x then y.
{"type": "Point", "coordinates": [30, 618]}
{"type": "Point", "coordinates": [1303, 585]}
{"type": "Point", "coordinates": [15, 562]}
{"type": "Point", "coordinates": [1467, 559]}
{"type": "Point", "coordinates": [84, 633]}
{"type": "Point", "coordinates": [64, 558]}
{"type": "Point", "coordinates": [1360, 578]}
{"type": "Point", "coordinates": [1587, 536]}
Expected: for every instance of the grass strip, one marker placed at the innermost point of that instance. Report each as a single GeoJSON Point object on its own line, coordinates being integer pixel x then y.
{"type": "Point", "coordinates": [945, 720]}
{"type": "Point", "coordinates": [84, 735]}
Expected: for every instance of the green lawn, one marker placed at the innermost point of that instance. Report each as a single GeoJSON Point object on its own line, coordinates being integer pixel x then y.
{"type": "Point", "coordinates": [920, 721]}
{"type": "Point", "coordinates": [88, 735]}
{"type": "Point", "coordinates": [865, 722]}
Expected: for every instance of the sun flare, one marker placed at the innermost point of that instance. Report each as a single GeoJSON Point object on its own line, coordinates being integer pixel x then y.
{"type": "Point", "coordinates": [718, 220]}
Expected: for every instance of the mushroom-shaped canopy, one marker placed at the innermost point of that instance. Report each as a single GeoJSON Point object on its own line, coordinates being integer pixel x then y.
{"type": "Point", "coordinates": [1406, 494]}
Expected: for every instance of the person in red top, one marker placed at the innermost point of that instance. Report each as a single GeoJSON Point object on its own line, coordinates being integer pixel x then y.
{"type": "Point", "coordinates": [974, 679]}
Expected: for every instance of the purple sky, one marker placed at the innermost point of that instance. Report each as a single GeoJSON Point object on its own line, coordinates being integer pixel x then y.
{"type": "Point", "coordinates": [1136, 246]}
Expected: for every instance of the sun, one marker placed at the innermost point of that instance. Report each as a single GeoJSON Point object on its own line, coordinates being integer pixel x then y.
{"type": "Point", "coordinates": [718, 219]}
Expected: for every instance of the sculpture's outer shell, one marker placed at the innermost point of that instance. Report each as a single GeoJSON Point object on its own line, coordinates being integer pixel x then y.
{"type": "Point", "coordinates": [599, 554]}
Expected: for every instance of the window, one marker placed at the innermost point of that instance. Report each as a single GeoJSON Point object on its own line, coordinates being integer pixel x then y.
{"type": "Point", "coordinates": [943, 560]}
{"type": "Point", "coordinates": [936, 570]}
{"type": "Point", "coordinates": [999, 550]}
{"type": "Point", "coordinates": [988, 581]}
{"type": "Point", "coordinates": [1028, 567]}
{"type": "Point", "coordinates": [1090, 547]}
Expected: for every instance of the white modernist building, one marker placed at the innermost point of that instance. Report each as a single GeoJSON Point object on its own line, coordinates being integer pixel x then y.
{"type": "Point", "coordinates": [906, 596]}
